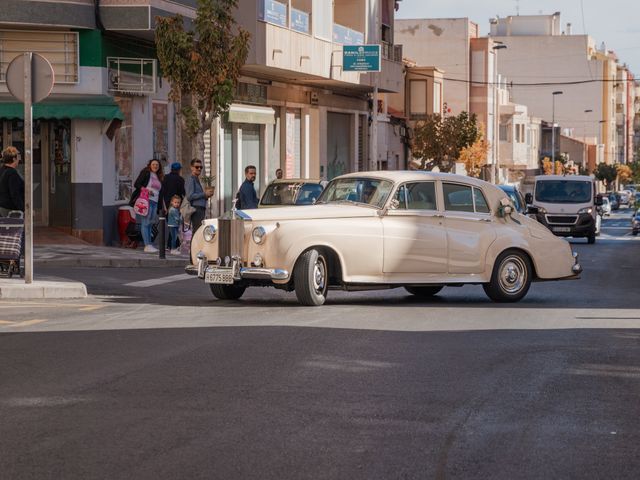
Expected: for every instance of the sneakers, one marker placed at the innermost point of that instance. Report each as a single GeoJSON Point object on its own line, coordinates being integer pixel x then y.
{"type": "Point", "coordinates": [175, 251]}
{"type": "Point", "coordinates": [150, 249]}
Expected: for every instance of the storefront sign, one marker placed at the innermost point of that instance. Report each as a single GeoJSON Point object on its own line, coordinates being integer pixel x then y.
{"type": "Point", "coordinates": [299, 21]}
{"type": "Point", "coordinates": [274, 12]}
{"type": "Point", "coordinates": [251, 93]}
{"type": "Point", "coordinates": [361, 58]}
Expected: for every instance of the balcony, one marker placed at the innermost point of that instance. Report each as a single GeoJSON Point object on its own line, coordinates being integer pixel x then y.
{"type": "Point", "coordinates": [289, 43]}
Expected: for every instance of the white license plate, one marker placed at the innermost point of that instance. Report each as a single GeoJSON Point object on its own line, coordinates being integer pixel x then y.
{"type": "Point", "coordinates": [219, 275]}
{"type": "Point", "coordinates": [561, 229]}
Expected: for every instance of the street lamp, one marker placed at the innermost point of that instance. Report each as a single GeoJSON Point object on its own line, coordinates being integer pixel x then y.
{"type": "Point", "coordinates": [553, 128]}
{"type": "Point", "coordinates": [495, 171]}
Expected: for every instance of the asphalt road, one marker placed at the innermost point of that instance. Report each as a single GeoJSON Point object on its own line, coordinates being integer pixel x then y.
{"type": "Point", "coordinates": [153, 378]}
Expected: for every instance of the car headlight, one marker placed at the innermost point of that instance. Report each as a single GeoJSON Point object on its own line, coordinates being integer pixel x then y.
{"type": "Point", "coordinates": [209, 233]}
{"type": "Point", "coordinates": [587, 210]}
{"type": "Point", "coordinates": [258, 234]}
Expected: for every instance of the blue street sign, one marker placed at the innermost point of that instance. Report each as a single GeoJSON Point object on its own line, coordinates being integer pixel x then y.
{"type": "Point", "coordinates": [361, 58]}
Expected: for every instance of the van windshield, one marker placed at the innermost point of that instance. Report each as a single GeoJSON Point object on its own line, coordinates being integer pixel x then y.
{"type": "Point", "coordinates": [563, 191]}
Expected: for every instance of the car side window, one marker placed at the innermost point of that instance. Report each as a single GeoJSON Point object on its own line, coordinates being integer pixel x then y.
{"type": "Point", "coordinates": [457, 198]}
{"type": "Point", "coordinates": [421, 196]}
{"type": "Point", "coordinates": [480, 201]}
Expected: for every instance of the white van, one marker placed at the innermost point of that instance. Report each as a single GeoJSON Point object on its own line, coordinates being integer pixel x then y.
{"type": "Point", "coordinates": [566, 204]}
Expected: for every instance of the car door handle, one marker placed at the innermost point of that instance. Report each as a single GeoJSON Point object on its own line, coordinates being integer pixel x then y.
{"type": "Point", "coordinates": [488, 220]}
{"type": "Point", "coordinates": [438, 215]}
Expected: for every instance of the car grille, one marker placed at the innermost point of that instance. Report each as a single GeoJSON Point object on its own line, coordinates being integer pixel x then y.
{"type": "Point", "coordinates": [230, 237]}
{"type": "Point", "coordinates": [562, 219]}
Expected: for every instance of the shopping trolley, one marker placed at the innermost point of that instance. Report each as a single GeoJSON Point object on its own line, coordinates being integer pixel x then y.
{"type": "Point", "coordinates": [11, 244]}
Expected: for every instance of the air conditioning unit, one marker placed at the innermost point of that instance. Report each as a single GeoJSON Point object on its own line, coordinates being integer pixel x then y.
{"type": "Point", "coordinates": [132, 76]}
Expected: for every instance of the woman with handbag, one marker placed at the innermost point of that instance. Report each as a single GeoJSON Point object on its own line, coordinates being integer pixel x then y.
{"type": "Point", "coordinates": [146, 200]}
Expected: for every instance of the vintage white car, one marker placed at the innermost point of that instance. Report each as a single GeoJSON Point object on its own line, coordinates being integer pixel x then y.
{"type": "Point", "coordinates": [376, 230]}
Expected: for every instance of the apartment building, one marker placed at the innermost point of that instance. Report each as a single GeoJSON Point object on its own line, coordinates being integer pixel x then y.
{"type": "Point", "coordinates": [538, 48]}
{"type": "Point", "coordinates": [625, 113]}
{"type": "Point", "coordinates": [297, 109]}
{"type": "Point", "coordinates": [108, 113]}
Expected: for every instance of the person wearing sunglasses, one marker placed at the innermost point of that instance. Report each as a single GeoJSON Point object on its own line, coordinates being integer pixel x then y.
{"type": "Point", "coordinates": [196, 194]}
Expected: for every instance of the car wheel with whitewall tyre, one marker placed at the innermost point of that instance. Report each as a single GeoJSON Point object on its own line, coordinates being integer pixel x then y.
{"type": "Point", "coordinates": [511, 277]}
{"type": "Point", "coordinates": [311, 278]}
{"type": "Point", "coordinates": [423, 292]}
{"type": "Point", "coordinates": [226, 292]}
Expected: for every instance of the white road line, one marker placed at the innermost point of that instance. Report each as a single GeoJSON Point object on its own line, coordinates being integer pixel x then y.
{"type": "Point", "coordinates": [159, 281]}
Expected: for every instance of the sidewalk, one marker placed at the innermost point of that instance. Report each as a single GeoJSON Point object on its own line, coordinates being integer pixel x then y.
{"type": "Point", "coordinates": [55, 248]}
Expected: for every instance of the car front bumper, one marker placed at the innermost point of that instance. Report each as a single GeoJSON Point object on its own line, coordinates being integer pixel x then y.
{"type": "Point", "coordinates": [202, 267]}
{"type": "Point", "coordinates": [585, 226]}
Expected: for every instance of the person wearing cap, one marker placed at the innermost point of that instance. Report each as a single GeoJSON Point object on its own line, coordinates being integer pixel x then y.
{"type": "Point", "coordinates": [173, 184]}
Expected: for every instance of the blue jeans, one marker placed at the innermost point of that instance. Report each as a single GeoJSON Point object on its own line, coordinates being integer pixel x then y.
{"type": "Point", "coordinates": [147, 222]}
{"type": "Point", "coordinates": [173, 237]}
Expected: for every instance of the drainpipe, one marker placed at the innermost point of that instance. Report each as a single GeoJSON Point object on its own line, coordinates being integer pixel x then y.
{"type": "Point", "coordinates": [99, 24]}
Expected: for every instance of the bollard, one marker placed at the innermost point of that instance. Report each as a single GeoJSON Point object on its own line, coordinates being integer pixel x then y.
{"type": "Point", "coordinates": [162, 238]}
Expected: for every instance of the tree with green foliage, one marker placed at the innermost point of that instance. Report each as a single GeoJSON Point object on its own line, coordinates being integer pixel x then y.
{"type": "Point", "coordinates": [439, 140]}
{"type": "Point", "coordinates": [606, 173]}
{"type": "Point", "coordinates": [202, 64]}
{"type": "Point", "coordinates": [635, 171]}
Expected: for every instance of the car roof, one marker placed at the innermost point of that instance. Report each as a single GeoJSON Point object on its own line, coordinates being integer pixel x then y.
{"type": "Point", "coordinates": [416, 175]}
{"type": "Point", "coordinates": [296, 180]}
{"type": "Point", "coordinates": [583, 178]}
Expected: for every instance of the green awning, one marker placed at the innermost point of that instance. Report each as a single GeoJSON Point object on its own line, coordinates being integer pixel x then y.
{"type": "Point", "coordinates": [89, 108]}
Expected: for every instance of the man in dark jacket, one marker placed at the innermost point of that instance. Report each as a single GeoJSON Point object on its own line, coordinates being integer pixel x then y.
{"type": "Point", "coordinates": [11, 183]}
{"type": "Point", "coordinates": [247, 197]}
{"type": "Point", "coordinates": [173, 184]}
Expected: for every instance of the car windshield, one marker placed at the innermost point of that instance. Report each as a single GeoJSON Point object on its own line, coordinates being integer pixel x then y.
{"type": "Point", "coordinates": [367, 191]}
{"type": "Point", "coordinates": [563, 191]}
{"type": "Point", "coordinates": [291, 193]}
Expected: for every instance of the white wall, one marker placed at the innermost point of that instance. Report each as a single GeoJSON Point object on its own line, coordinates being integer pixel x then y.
{"type": "Point", "coordinates": [87, 147]}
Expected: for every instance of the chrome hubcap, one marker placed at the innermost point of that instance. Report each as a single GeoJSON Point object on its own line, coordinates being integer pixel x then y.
{"type": "Point", "coordinates": [513, 274]}
{"type": "Point", "coordinates": [319, 276]}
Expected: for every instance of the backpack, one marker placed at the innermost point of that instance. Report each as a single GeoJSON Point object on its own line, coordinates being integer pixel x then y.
{"type": "Point", "coordinates": [186, 210]}
{"type": "Point", "coordinates": [141, 207]}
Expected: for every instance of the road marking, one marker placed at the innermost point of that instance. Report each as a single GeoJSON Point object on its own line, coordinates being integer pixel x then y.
{"type": "Point", "coordinates": [159, 281]}
{"type": "Point", "coordinates": [81, 307]}
{"type": "Point", "coordinates": [26, 323]}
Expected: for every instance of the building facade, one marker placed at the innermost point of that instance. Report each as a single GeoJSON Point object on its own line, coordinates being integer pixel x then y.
{"type": "Point", "coordinates": [538, 48]}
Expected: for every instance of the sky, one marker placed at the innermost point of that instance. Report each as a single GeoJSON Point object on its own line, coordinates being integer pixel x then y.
{"type": "Point", "coordinates": [615, 22]}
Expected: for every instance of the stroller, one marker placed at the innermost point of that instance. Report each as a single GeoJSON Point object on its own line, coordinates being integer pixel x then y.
{"type": "Point", "coordinates": [11, 244]}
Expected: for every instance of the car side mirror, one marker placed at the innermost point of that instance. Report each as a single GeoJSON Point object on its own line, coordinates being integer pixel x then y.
{"type": "Point", "coordinates": [528, 198]}
{"type": "Point", "coordinates": [394, 204]}
{"type": "Point", "coordinates": [532, 210]}
{"type": "Point", "coordinates": [599, 201]}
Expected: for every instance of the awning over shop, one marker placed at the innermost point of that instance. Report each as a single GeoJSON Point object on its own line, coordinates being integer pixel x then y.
{"type": "Point", "coordinates": [251, 114]}
{"type": "Point", "coordinates": [93, 108]}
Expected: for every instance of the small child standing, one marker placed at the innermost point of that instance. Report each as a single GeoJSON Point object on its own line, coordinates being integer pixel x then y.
{"type": "Point", "coordinates": [174, 220]}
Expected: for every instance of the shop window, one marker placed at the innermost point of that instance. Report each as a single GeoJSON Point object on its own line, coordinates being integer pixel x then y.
{"type": "Point", "coordinates": [123, 142]}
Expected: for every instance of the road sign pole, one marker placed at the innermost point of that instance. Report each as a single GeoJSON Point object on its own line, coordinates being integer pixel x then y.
{"type": "Point", "coordinates": [28, 171]}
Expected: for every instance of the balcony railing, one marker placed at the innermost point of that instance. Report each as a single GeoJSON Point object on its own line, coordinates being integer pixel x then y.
{"type": "Point", "coordinates": [392, 52]}
{"type": "Point", "coordinates": [134, 76]}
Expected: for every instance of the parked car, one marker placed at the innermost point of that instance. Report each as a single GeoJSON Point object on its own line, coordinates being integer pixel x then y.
{"type": "Point", "coordinates": [378, 230]}
{"type": "Point", "coordinates": [291, 192]}
{"type": "Point", "coordinates": [635, 222]}
{"type": "Point", "coordinates": [516, 197]}
{"type": "Point", "coordinates": [613, 200]}
{"type": "Point", "coordinates": [623, 198]}
{"type": "Point", "coordinates": [606, 207]}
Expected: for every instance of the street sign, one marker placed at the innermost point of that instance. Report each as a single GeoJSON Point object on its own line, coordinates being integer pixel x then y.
{"type": "Point", "coordinates": [41, 73]}
{"type": "Point", "coordinates": [361, 58]}
{"type": "Point", "coordinates": [30, 80]}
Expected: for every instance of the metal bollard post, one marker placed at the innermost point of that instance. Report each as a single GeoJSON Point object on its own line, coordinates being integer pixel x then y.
{"type": "Point", "coordinates": [162, 238]}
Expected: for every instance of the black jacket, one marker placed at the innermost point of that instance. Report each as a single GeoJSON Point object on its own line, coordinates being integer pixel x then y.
{"type": "Point", "coordinates": [141, 182]}
{"type": "Point", "coordinates": [11, 189]}
{"type": "Point", "coordinates": [173, 184]}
